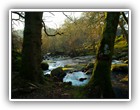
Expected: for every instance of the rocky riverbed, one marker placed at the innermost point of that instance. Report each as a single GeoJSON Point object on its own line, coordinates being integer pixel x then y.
{"type": "Point", "coordinates": [76, 72]}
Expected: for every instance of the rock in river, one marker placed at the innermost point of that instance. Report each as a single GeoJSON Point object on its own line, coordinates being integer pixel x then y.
{"type": "Point", "coordinates": [58, 74]}
{"type": "Point", "coordinates": [82, 79]}
{"type": "Point", "coordinates": [44, 66]}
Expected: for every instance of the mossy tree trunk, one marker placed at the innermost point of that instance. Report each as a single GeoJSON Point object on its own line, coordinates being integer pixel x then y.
{"type": "Point", "coordinates": [31, 52]}
{"type": "Point", "coordinates": [100, 82]}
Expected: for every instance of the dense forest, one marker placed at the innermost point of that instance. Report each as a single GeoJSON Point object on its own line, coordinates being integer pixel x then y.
{"type": "Point", "coordinates": [85, 58]}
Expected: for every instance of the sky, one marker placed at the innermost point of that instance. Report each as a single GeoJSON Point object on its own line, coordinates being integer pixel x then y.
{"type": "Point", "coordinates": [56, 20]}
{"type": "Point", "coordinates": [52, 20]}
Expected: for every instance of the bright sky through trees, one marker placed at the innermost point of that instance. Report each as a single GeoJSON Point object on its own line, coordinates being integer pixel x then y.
{"type": "Point", "coordinates": [52, 20]}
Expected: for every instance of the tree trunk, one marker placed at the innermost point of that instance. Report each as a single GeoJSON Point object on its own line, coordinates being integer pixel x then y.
{"type": "Point", "coordinates": [31, 52]}
{"type": "Point", "coordinates": [100, 82]}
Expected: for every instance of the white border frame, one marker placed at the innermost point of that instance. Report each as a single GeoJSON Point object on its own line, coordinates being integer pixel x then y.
{"type": "Point", "coordinates": [70, 10]}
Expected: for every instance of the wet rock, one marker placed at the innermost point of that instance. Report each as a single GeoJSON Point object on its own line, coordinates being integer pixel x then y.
{"type": "Point", "coordinates": [44, 66]}
{"type": "Point", "coordinates": [82, 79]}
{"type": "Point", "coordinates": [58, 74]}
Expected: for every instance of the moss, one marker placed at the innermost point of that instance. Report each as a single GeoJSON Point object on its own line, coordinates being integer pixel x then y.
{"type": "Point", "coordinates": [68, 69]}
{"type": "Point", "coordinates": [120, 48]}
{"type": "Point", "coordinates": [100, 81]}
{"type": "Point", "coordinates": [78, 67]}
{"type": "Point", "coordinates": [126, 61]}
{"type": "Point", "coordinates": [120, 68]}
{"type": "Point", "coordinates": [120, 44]}
{"type": "Point", "coordinates": [119, 38]}
{"type": "Point", "coordinates": [125, 79]}
{"type": "Point", "coordinates": [65, 69]}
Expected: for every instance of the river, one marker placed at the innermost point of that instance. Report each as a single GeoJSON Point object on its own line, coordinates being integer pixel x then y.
{"type": "Point", "coordinates": [73, 77]}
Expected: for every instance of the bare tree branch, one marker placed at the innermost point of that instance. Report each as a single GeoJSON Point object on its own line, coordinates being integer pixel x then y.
{"type": "Point", "coordinates": [13, 23]}
{"type": "Point", "coordinates": [52, 13]}
{"type": "Point", "coordinates": [123, 30]}
{"type": "Point", "coordinates": [125, 18]}
{"type": "Point", "coordinates": [69, 18]}
{"type": "Point", "coordinates": [19, 14]}
{"type": "Point", "coordinates": [18, 19]}
{"type": "Point", "coordinates": [45, 30]}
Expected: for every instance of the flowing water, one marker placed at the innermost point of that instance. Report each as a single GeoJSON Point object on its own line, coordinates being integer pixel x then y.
{"type": "Point", "coordinates": [74, 76]}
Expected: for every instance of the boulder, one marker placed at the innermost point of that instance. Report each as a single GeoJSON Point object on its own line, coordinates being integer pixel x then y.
{"type": "Point", "coordinates": [58, 74]}
{"type": "Point", "coordinates": [82, 79]}
{"type": "Point", "coordinates": [44, 66]}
